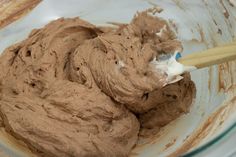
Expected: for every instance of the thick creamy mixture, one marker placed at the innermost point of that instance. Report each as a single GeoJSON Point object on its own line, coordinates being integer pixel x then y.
{"type": "Point", "coordinates": [74, 89]}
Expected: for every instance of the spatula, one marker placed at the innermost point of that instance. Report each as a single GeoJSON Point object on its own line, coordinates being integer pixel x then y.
{"type": "Point", "coordinates": [209, 57]}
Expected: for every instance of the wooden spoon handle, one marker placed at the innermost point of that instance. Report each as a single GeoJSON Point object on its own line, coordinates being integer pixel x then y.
{"type": "Point", "coordinates": [210, 57]}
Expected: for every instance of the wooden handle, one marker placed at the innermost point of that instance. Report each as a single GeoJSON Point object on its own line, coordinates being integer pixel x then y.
{"type": "Point", "coordinates": [210, 57]}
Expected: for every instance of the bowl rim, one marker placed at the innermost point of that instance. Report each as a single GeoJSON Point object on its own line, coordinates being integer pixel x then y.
{"type": "Point", "coordinates": [216, 140]}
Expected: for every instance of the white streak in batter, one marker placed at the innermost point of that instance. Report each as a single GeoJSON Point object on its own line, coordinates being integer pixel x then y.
{"type": "Point", "coordinates": [173, 69]}
{"type": "Point", "coordinates": [161, 31]}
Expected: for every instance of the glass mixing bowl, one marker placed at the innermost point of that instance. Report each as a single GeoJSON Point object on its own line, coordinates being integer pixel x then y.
{"type": "Point", "coordinates": [210, 127]}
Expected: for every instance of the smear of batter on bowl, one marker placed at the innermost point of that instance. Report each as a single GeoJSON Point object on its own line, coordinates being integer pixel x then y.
{"type": "Point", "coordinates": [73, 89]}
{"type": "Point", "coordinates": [232, 3]}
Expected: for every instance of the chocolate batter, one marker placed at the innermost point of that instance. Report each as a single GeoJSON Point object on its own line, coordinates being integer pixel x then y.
{"type": "Point", "coordinates": [74, 89]}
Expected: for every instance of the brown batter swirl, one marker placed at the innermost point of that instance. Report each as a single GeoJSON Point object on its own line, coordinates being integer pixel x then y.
{"type": "Point", "coordinates": [74, 89]}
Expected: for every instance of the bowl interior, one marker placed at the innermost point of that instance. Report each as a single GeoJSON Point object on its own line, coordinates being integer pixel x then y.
{"type": "Point", "coordinates": [215, 85]}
